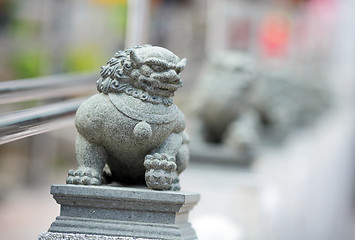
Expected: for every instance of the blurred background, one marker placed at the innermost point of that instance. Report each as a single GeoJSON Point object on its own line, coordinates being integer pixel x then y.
{"type": "Point", "coordinates": [296, 182]}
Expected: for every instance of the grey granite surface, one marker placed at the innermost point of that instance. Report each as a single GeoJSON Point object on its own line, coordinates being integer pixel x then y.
{"type": "Point", "coordinates": [123, 212]}
{"type": "Point", "coordinates": [132, 127]}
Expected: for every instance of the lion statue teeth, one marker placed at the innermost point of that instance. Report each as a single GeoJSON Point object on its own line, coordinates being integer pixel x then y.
{"type": "Point", "coordinates": [132, 126]}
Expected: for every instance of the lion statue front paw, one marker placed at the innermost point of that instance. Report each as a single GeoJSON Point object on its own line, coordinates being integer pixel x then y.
{"type": "Point", "coordinates": [160, 171]}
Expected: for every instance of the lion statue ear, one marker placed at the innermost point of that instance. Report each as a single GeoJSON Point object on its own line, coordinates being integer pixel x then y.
{"type": "Point", "coordinates": [181, 65]}
{"type": "Point", "coordinates": [134, 58]}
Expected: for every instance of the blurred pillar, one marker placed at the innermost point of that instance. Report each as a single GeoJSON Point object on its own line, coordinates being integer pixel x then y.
{"type": "Point", "coordinates": [56, 20]}
{"type": "Point", "coordinates": [137, 22]}
{"type": "Point", "coordinates": [216, 26]}
{"type": "Point", "coordinates": [43, 154]}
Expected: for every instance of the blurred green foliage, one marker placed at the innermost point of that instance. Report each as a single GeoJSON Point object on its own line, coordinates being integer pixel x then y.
{"type": "Point", "coordinates": [118, 17]}
{"type": "Point", "coordinates": [27, 59]}
{"type": "Point", "coordinates": [27, 56]}
{"type": "Point", "coordinates": [29, 63]}
{"type": "Point", "coordinates": [84, 58]}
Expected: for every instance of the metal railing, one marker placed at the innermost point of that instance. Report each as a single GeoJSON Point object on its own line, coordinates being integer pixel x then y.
{"type": "Point", "coordinates": [69, 88]}
{"type": "Point", "coordinates": [20, 124]}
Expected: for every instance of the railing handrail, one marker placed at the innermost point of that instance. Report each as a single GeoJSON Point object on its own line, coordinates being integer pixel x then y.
{"type": "Point", "coordinates": [32, 121]}
{"type": "Point", "coordinates": [47, 87]}
{"type": "Point", "coordinates": [28, 122]}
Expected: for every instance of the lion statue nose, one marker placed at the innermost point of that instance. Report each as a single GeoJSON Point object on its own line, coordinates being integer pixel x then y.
{"type": "Point", "coordinates": [170, 76]}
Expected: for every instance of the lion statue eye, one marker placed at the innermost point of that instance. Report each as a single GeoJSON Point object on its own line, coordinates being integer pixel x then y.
{"type": "Point", "coordinates": [157, 68]}
{"type": "Point", "coordinates": [128, 65]}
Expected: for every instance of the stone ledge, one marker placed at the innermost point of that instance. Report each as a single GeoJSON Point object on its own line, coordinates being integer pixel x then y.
{"type": "Point", "coordinates": [123, 212]}
{"type": "Point", "coordinates": [110, 196]}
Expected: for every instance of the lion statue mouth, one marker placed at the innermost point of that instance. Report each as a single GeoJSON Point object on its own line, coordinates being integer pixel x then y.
{"type": "Point", "coordinates": [152, 76]}
{"type": "Point", "coordinates": [161, 84]}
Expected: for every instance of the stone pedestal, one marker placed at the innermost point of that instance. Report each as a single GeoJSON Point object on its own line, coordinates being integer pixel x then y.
{"type": "Point", "coordinates": [105, 212]}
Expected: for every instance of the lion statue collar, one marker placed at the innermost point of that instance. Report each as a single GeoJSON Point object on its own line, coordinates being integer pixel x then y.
{"type": "Point", "coordinates": [134, 108]}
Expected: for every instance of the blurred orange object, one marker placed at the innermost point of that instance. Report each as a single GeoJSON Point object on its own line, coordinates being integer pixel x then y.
{"type": "Point", "coordinates": [106, 2]}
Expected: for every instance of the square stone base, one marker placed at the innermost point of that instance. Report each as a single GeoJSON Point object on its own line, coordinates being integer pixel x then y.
{"type": "Point", "coordinates": [121, 212]}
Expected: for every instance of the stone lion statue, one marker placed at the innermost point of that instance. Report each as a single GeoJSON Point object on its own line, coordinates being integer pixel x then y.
{"type": "Point", "coordinates": [243, 106]}
{"type": "Point", "coordinates": [222, 111]}
{"type": "Point", "coordinates": [132, 128]}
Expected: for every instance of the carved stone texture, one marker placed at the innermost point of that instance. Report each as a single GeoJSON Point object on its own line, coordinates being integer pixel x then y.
{"type": "Point", "coordinates": [132, 126]}
{"type": "Point", "coordinates": [123, 212]}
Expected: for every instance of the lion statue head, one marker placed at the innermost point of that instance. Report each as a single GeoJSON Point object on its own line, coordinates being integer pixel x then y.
{"type": "Point", "coordinates": [146, 72]}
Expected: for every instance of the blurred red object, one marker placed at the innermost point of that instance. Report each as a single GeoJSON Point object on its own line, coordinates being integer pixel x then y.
{"type": "Point", "coordinates": [275, 34]}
